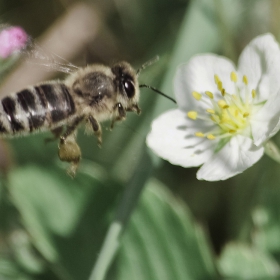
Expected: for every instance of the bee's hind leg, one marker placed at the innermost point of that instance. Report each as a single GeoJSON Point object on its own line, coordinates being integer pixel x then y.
{"type": "Point", "coordinates": [69, 150]}
{"type": "Point", "coordinates": [56, 134]}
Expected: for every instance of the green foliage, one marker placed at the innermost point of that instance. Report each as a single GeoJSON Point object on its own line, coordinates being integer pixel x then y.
{"type": "Point", "coordinates": [162, 241]}
{"type": "Point", "coordinates": [239, 261]}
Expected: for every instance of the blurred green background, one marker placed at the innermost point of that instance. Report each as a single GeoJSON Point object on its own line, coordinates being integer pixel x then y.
{"type": "Point", "coordinates": [172, 225]}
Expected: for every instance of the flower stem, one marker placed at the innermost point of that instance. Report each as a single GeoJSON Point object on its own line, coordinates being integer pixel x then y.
{"type": "Point", "coordinates": [272, 151]}
{"type": "Point", "coordinates": [6, 64]}
{"type": "Point", "coordinates": [108, 251]}
{"type": "Point", "coordinates": [226, 34]}
{"type": "Point", "coordinates": [128, 202]}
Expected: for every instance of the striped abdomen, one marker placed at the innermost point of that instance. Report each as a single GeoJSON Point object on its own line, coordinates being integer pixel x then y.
{"type": "Point", "coordinates": [38, 107]}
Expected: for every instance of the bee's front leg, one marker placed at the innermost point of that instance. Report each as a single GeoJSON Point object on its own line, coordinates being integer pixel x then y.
{"type": "Point", "coordinates": [121, 114]}
{"type": "Point", "coordinates": [135, 108]}
{"type": "Point", "coordinates": [95, 125]}
{"type": "Point", "coordinates": [69, 150]}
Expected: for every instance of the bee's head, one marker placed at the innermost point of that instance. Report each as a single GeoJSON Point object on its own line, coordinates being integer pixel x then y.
{"type": "Point", "coordinates": [126, 83]}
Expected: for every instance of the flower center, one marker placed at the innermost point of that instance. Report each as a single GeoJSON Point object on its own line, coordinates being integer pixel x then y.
{"type": "Point", "coordinates": [230, 113]}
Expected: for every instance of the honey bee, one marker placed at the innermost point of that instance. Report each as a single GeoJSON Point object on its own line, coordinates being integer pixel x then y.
{"type": "Point", "coordinates": [89, 95]}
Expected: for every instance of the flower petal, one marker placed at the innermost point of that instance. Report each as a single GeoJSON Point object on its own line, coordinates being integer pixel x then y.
{"type": "Point", "coordinates": [236, 156]}
{"type": "Point", "coordinates": [172, 138]}
{"type": "Point", "coordinates": [198, 75]}
{"type": "Point", "coordinates": [260, 62]}
{"type": "Point", "coordinates": [265, 123]}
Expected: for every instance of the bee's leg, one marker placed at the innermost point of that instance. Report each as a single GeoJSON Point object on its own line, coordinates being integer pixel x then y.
{"type": "Point", "coordinates": [134, 108]}
{"type": "Point", "coordinates": [69, 150]}
{"type": "Point", "coordinates": [121, 114]}
{"type": "Point", "coordinates": [56, 134]}
{"type": "Point", "coordinates": [96, 128]}
{"type": "Point", "coordinates": [70, 129]}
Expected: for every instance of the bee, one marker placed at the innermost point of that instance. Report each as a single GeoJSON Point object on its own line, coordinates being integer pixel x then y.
{"type": "Point", "coordinates": [89, 95]}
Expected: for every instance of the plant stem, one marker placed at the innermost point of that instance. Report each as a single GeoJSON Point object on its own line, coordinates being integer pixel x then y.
{"type": "Point", "coordinates": [229, 49]}
{"type": "Point", "coordinates": [128, 202]}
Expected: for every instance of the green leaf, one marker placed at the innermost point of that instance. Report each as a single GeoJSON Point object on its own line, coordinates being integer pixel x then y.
{"type": "Point", "coordinates": [266, 214]}
{"type": "Point", "coordinates": [24, 252]}
{"type": "Point", "coordinates": [162, 242]}
{"type": "Point", "coordinates": [239, 261]}
{"type": "Point", "coordinates": [10, 271]}
{"type": "Point", "coordinates": [48, 203]}
{"type": "Point", "coordinates": [66, 218]}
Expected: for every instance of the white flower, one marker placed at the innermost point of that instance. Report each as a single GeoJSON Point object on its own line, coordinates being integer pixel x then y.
{"type": "Point", "coordinates": [225, 113]}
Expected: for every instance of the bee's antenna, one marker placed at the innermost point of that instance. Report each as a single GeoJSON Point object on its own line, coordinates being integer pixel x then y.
{"type": "Point", "coordinates": [159, 92]}
{"type": "Point", "coordinates": [146, 64]}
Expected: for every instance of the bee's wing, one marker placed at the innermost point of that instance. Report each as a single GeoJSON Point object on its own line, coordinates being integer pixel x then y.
{"type": "Point", "coordinates": [36, 55]}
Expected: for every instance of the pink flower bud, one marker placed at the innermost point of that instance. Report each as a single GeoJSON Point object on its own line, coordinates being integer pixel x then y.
{"type": "Point", "coordinates": [12, 39]}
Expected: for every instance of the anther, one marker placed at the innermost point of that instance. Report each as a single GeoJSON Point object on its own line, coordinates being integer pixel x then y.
{"type": "Point", "coordinates": [217, 79]}
{"type": "Point", "coordinates": [246, 114]}
{"type": "Point", "coordinates": [220, 85]}
{"type": "Point", "coordinates": [245, 80]}
{"type": "Point", "coordinates": [211, 111]}
{"type": "Point", "coordinates": [222, 104]}
{"type": "Point", "coordinates": [196, 95]}
{"type": "Point", "coordinates": [199, 134]}
{"type": "Point", "coordinates": [233, 76]}
{"type": "Point", "coordinates": [211, 137]}
{"type": "Point", "coordinates": [209, 94]}
{"type": "Point", "coordinates": [223, 92]}
{"type": "Point", "coordinates": [254, 93]}
{"type": "Point", "coordinates": [192, 115]}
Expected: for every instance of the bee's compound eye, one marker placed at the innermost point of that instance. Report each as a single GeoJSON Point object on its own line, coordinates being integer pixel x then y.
{"type": "Point", "coordinates": [129, 88]}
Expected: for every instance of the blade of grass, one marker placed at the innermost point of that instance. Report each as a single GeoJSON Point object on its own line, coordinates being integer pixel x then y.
{"type": "Point", "coordinates": [128, 202]}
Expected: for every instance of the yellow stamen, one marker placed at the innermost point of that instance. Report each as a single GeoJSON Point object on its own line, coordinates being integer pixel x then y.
{"type": "Point", "coordinates": [209, 94]}
{"type": "Point", "coordinates": [196, 95]}
{"type": "Point", "coordinates": [231, 114]}
{"type": "Point", "coordinates": [211, 111]}
{"type": "Point", "coordinates": [245, 80]}
{"type": "Point", "coordinates": [233, 76]}
{"type": "Point", "coordinates": [215, 118]}
{"type": "Point", "coordinates": [192, 115]}
{"type": "Point", "coordinates": [199, 134]}
{"type": "Point", "coordinates": [216, 78]}
{"type": "Point", "coordinates": [211, 137]}
{"type": "Point", "coordinates": [220, 85]}
{"type": "Point", "coordinates": [222, 104]}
